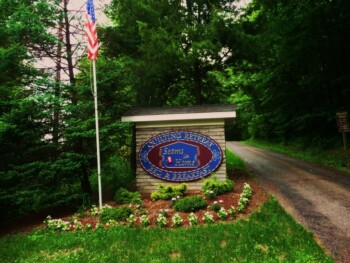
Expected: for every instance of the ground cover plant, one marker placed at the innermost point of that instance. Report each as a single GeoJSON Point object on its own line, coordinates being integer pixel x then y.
{"type": "Point", "coordinates": [244, 197]}
{"type": "Point", "coordinates": [212, 187]}
{"type": "Point", "coordinates": [117, 214]}
{"type": "Point", "coordinates": [123, 196]}
{"type": "Point", "coordinates": [214, 207]}
{"type": "Point", "coordinates": [166, 192]}
{"type": "Point", "coordinates": [190, 204]}
{"type": "Point", "coordinates": [269, 235]}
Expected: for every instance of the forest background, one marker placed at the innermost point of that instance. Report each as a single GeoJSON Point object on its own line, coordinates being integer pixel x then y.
{"type": "Point", "coordinates": [284, 63]}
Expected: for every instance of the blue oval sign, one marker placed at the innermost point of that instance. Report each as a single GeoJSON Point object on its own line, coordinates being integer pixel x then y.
{"type": "Point", "coordinates": [180, 156]}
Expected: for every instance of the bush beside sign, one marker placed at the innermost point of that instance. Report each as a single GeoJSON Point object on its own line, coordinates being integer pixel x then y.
{"type": "Point", "coordinates": [180, 156]}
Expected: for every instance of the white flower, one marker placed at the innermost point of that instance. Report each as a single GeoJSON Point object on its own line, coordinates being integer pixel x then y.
{"type": "Point", "coordinates": [193, 219]}
{"type": "Point", "coordinates": [161, 221]}
{"type": "Point", "coordinates": [222, 213]}
{"type": "Point", "coordinates": [144, 221]}
{"type": "Point", "coordinates": [208, 217]}
{"type": "Point", "coordinates": [131, 219]}
{"type": "Point", "coordinates": [177, 220]}
{"type": "Point", "coordinates": [98, 225]}
{"type": "Point", "coordinates": [110, 223]}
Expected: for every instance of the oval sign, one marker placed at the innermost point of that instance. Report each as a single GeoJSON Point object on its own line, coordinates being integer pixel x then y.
{"type": "Point", "coordinates": [180, 156]}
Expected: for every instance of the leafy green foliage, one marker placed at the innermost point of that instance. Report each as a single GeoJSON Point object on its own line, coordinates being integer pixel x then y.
{"type": "Point", "coordinates": [222, 213]}
{"type": "Point", "coordinates": [268, 61]}
{"type": "Point", "coordinates": [144, 221]}
{"type": "Point", "coordinates": [57, 224]}
{"type": "Point", "coordinates": [282, 68]}
{"type": "Point", "coordinates": [214, 207]}
{"type": "Point", "coordinates": [118, 214]}
{"type": "Point", "coordinates": [177, 220]}
{"type": "Point", "coordinates": [161, 221]}
{"type": "Point", "coordinates": [208, 218]}
{"type": "Point", "coordinates": [217, 187]}
{"type": "Point", "coordinates": [192, 219]}
{"type": "Point", "coordinates": [47, 128]}
{"type": "Point", "coordinates": [123, 196]}
{"type": "Point", "coordinates": [193, 35]}
{"type": "Point", "coordinates": [190, 204]}
{"type": "Point", "coordinates": [244, 197]}
{"type": "Point", "coordinates": [166, 192]}
{"type": "Point", "coordinates": [33, 177]}
{"type": "Point", "coordinates": [37, 169]}
{"type": "Point", "coordinates": [117, 172]}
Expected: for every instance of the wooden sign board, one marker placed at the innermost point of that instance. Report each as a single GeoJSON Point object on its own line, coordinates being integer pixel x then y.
{"type": "Point", "coordinates": [343, 122]}
{"type": "Point", "coordinates": [180, 156]}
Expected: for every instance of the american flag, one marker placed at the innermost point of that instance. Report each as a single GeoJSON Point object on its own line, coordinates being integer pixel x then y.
{"type": "Point", "coordinates": [90, 31]}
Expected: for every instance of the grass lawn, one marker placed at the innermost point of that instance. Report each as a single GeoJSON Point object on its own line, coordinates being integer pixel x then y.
{"type": "Point", "coordinates": [269, 235]}
{"type": "Point", "coordinates": [337, 158]}
{"type": "Point", "coordinates": [233, 162]}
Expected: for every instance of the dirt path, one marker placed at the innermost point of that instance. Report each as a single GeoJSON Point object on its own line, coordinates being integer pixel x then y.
{"type": "Point", "coordinates": [317, 197]}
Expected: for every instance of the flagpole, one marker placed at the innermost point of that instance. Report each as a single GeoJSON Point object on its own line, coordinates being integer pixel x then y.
{"type": "Point", "coordinates": [97, 135]}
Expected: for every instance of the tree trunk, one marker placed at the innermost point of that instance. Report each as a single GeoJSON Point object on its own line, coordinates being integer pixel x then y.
{"type": "Point", "coordinates": [78, 145]}
{"type": "Point", "coordinates": [198, 83]}
{"type": "Point", "coordinates": [69, 52]}
{"type": "Point", "coordinates": [57, 89]}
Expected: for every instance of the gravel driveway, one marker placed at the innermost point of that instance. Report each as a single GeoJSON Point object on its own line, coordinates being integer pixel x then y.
{"type": "Point", "coordinates": [317, 197]}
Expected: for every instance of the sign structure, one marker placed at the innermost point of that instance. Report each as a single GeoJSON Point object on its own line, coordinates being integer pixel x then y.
{"type": "Point", "coordinates": [180, 156]}
{"type": "Point", "coordinates": [343, 122]}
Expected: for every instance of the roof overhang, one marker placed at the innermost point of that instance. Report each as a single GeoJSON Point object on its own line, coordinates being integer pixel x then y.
{"type": "Point", "coordinates": [186, 113]}
{"type": "Point", "coordinates": [178, 117]}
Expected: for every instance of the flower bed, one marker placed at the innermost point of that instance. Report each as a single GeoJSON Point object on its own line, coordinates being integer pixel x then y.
{"type": "Point", "coordinates": [160, 213]}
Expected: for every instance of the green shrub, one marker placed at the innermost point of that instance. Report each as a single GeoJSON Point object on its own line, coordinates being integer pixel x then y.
{"type": "Point", "coordinates": [166, 192]}
{"type": "Point", "coordinates": [217, 187]}
{"type": "Point", "coordinates": [120, 174]}
{"type": "Point", "coordinates": [117, 214]}
{"type": "Point", "coordinates": [123, 196]}
{"type": "Point", "coordinates": [190, 204]}
{"type": "Point", "coordinates": [214, 207]}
